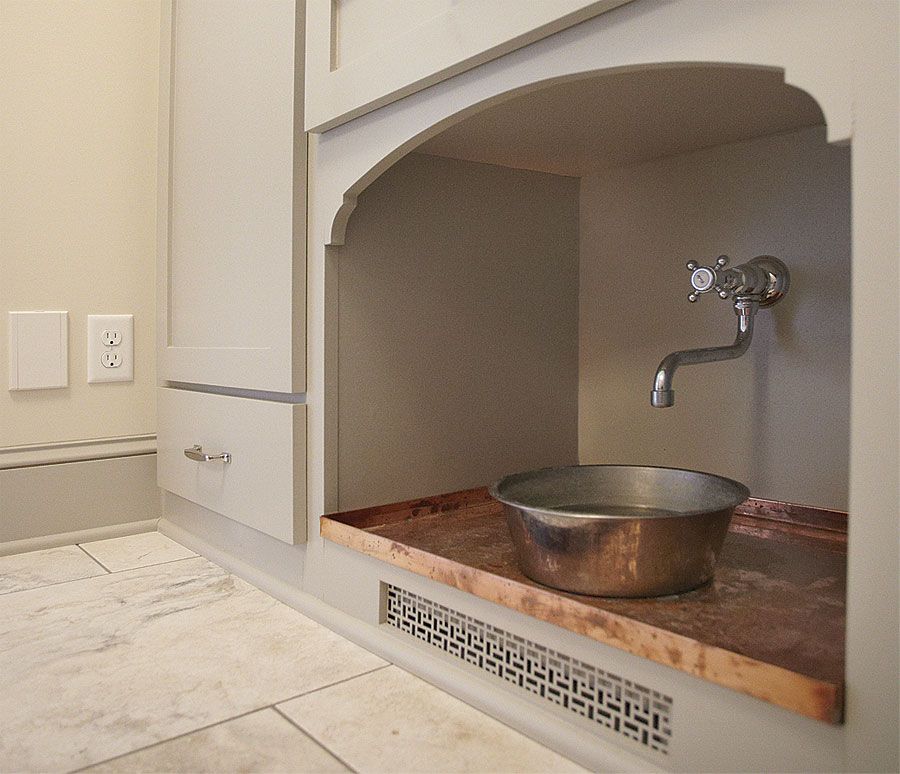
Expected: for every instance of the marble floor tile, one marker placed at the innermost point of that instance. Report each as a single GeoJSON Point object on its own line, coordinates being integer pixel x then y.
{"type": "Point", "coordinates": [20, 572]}
{"type": "Point", "coordinates": [262, 741]}
{"type": "Point", "coordinates": [100, 667]}
{"type": "Point", "coordinates": [391, 721]}
{"type": "Point", "coordinates": [133, 551]}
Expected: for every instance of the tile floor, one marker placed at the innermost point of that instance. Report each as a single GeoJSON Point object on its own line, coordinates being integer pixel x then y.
{"type": "Point", "coordinates": [135, 654]}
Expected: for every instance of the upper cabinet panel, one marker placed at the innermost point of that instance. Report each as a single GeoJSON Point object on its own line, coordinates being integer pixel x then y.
{"type": "Point", "coordinates": [362, 54]}
{"type": "Point", "coordinates": [233, 170]}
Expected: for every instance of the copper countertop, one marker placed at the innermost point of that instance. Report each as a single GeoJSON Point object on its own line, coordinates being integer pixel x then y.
{"type": "Point", "coordinates": [771, 624]}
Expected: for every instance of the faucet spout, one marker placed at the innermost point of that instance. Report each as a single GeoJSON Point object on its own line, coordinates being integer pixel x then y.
{"type": "Point", "coordinates": [663, 395]}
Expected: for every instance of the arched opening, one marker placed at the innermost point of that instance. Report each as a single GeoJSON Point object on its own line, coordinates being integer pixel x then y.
{"type": "Point", "coordinates": [506, 291]}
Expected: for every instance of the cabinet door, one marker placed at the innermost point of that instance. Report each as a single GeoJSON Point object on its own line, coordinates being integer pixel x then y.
{"type": "Point", "coordinates": [362, 54]}
{"type": "Point", "coordinates": [232, 208]}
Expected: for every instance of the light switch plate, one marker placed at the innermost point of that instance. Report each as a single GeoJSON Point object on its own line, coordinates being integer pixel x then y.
{"type": "Point", "coordinates": [38, 350]}
{"type": "Point", "coordinates": [103, 328]}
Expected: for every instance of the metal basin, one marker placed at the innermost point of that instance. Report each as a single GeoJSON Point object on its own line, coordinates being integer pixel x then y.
{"type": "Point", "coordinates": [618, 530]}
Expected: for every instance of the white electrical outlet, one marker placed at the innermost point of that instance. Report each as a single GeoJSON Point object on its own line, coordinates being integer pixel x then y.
{"type": "Point", "coordinates": [112, 338]}
{"type": "Point", "coordinates": [110, 348]}
{"type": "Point", "coordinates": [111, 359]}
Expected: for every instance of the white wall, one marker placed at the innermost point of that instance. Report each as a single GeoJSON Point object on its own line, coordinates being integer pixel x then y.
{"type": "Point", "coordinates": [78, 90]}
{"type": "Point", "coordinates": [457, 329]}
{"type": "Point", "coordinates": [776, 419]}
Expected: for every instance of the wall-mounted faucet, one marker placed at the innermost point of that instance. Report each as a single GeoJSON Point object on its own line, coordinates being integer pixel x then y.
{"type": "Point", "coordinates": [760, 282]}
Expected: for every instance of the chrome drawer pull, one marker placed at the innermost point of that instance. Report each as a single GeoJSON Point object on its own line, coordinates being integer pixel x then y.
{"type": "Point", "coordinates": [197, 454]}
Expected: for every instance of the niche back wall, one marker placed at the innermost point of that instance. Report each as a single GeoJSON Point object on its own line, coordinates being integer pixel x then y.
{"type": "Point", "coordinates": [777, 418]}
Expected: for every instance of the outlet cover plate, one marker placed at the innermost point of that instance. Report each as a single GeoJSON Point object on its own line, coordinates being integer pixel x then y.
{"type": "Point", "coordinates": [97, 326]}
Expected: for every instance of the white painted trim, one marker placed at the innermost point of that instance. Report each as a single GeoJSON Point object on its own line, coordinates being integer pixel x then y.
{"type": "Point", "coordinates": [521, 714]}
{"type": "Point", "coordinates": [76, 451]}
{"type": "Point", "coordinates": [81, 536]}
{"type": "Point", "coordinates": [38, 502]}
{"type": "Point", "coordinates": [468, 34]}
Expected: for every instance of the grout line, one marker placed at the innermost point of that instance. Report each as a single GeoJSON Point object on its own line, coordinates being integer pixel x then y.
{"type": "Point", "coordinates": [93, 557]}
{"type": "Point", "coordinates": [155, 564]}
{"type": "Point", "coordinates": [315, 741]}
{"type": "Point", "coordinates": [336, 682]}
{"type": "Point", "coordinates": [48, 585]}
{"type": "Point", "coordinates": [169, 739]}
{"type": "Point", "coordinates": [95, 577]}
{"type": "Point", "coordinates": [241, 715]}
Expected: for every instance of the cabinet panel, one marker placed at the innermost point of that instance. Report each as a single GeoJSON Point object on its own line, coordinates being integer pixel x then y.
{"type": "Point", "coordinates": [234, 165]}
{"type": "Point", "coordinates": [263, 485]}
{"type": "Point", "coordinates": [362, 54]}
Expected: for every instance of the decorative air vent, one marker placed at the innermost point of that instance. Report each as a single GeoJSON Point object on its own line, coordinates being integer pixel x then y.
{"type": "Point", "coordinates": [628, 708]}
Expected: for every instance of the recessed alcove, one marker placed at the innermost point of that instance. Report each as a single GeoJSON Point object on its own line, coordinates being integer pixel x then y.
{"type": "Point", "coordinates": [506, 291]}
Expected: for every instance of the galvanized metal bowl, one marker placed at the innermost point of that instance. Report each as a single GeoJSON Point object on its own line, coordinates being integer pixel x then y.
{"type": "Point", "coordinates": [618, 530]}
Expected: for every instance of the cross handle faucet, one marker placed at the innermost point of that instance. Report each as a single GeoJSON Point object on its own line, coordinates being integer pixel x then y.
{"type": "Point", "coordinates": [758, 283]}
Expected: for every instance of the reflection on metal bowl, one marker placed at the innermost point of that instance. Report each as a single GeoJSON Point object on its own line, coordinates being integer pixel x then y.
{"type": "Point", "coordinates": [618, 530]}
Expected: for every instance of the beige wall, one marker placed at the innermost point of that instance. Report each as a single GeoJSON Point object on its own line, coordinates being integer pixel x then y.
{"type": "Point", "coordinates": [778, 418]}
{"type": "Point", "coordinates": [78, 95]}
{"type": "Point", "coordinates": [457, 329]}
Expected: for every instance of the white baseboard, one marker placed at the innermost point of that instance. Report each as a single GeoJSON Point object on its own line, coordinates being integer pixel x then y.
{"type": "Point", "coordinates": [44, 505]}
{"type": "Point", "coordinates": [523, 715]}
{"type": "Point", "coordinates": [81, 536]}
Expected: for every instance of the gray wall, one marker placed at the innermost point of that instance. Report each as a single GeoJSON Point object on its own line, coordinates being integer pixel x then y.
{"type": "Point", "coordinates": [457, 329]}
{"type": "Point", "coordinates": [778, 418]}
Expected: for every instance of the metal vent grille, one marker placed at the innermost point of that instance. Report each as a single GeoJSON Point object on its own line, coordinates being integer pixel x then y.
{"type": "Point", "coordinates": [628, 708]}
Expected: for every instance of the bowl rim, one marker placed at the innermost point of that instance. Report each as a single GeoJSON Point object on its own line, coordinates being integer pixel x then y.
{"type": "Point", "coordinates": [494, 492]}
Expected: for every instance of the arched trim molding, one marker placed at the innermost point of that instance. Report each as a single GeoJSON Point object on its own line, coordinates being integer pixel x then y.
{"type": "Point", "coordinates": [837, 119]}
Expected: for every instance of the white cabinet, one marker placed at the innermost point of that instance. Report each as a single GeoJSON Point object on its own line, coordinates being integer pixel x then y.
{"type": "Point", "coordinates": [232, 260]}
{"type": "Point", "coordinates": [232, 209]}
{"type": "Point", "coordinates": [362, 54]}
{"type": "Point", "coordinates": [842, 55]}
